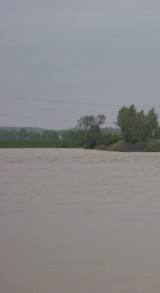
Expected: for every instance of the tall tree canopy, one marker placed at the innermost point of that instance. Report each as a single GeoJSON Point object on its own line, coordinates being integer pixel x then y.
{"type": "Point", "coordinates": [86, 122]}
{"type": "Point", "coordinates": [136, 124]}
{"type": "Point", "coordinates": [89, 126]}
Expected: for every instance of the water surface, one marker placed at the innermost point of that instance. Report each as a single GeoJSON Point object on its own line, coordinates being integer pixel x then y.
{"type": "Point", "coordinates": [76, 221]}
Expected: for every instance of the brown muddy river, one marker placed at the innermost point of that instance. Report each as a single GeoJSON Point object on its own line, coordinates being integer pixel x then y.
{"type": "Point", "coordinates": [79, 221]}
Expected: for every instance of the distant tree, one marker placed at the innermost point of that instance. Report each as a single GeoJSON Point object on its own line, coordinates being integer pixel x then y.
{"type": "Point", "coordinates": [152, 122]}
{"type": "Point", "coordinates": [127, 121]}
{"type": "Point", "coordinates": [73, 138]}
{"type": "Point", "coordinates": [90, 129]}
{"type": "Point", "coordinates": [93, 137]}
{"type": "Point", "coordinates": [157, 133]}
{"type": "Point", "coordinates": [136, 124]}
{"type": "Point", "coordinates": [147, 124]}
{"type": "Point", "coordinates": [33, 136]}
{"type": "Point", "coordinates": [85, 122]}
{"type": "Point", "coordinates": [99, 120]}
{"type": "Point", "coordinates": [50, 135]}
{"type": "Point", "coordinates": [22, 134]}
{"type": "Point", "coordinates": [6, 135]}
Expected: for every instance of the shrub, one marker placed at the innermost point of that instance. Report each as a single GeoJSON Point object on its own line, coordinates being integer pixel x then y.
{"type": "Point", "coordinates": [111, 138]}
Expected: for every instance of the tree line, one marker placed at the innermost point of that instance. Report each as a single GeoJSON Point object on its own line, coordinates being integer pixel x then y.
{"type": "Point", "coordinates": [134, 126]}
{"type": "Point", "coordinates": [25, 135]}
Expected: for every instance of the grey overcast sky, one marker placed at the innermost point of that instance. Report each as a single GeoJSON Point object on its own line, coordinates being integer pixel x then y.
{"type": "Point", "coordinates": [63, 59]}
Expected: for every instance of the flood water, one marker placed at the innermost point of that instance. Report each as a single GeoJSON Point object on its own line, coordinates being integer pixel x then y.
{"type": "Point", "coordinates": [79, 221]}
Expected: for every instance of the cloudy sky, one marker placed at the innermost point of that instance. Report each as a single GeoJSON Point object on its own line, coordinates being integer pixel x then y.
{"type": "Point", "coordinates": [63, 59]}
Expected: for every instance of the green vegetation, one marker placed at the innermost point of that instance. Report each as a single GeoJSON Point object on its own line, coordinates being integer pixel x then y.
{"type": "Point", "coordinates": [137, 125]}
{"type": "Point", "coordinates": [138, 131]}
{"type": "Point", "coordinates": [26, 144]}
{"type": "Point", "coordinates": [152, 147]}
{"type": "Point", "coordinates": [86, 122]}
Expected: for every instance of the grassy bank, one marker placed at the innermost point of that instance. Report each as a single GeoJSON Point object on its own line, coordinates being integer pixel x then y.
{"type": "Point", "coordinates": [119, 146]}
{"type": "Point", "coordinates": [153, 147]}
{"type": "Point", "coordinates": [27, 144]}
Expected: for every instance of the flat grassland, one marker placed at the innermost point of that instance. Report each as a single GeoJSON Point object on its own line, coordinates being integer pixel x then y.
{"type": "Point", "coordinates": [79, 221]}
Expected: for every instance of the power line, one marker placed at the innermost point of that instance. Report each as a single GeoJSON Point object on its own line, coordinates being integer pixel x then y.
{"type": "Point", "coordinates": [75, 102]}
{"type": "Point", "coordinates": [110, 114]}
{"type": "Point", "coordinates": [58, 101]}
{"type": "Point", "coordinates": [54, 119]}
{"type": "Point", "coordinates": [49, 109]}
{"type": "Point", "coordinates": [33, 117]}
{"type": "Point", "coordinates": [39, 118]}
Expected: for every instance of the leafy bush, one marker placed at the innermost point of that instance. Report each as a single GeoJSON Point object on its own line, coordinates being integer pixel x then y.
{"type": "Point", "coordinates": [111, 138]}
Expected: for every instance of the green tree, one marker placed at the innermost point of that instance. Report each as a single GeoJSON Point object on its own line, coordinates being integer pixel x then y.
{"type": "Point", "coordinates": [50, 135]}
{"type": "Point", "coordinates": [127, 121]}
{"type": "Point", "coordinates": [137, 124]}
{"type": "Point", "coordinates": [33, 136]}
{"type": "Point", "coordinates": [152, 122]}
{"type": "Point", "coordinates": [90, 129]}
{"type": "Point", "coordinates": [6, 135]}
{"type": "Point", "coordinates": [147, 124]}
{"type": "Point", "coordinates": [85, 122]}
{"type": "Point", "coordinates": [73, 138]}
{"type": "Point", "coordinates": [93, 137]}
{"type": "Point", "coordinates": [22, 134]}
{"type": "Point", "coordinates": [157, 133]}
